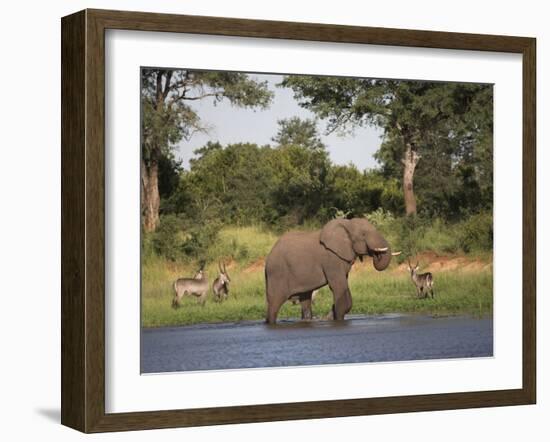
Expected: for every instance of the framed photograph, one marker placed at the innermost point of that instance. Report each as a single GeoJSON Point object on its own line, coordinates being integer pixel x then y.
{"type": "Point", "coordinates": [269, 220]}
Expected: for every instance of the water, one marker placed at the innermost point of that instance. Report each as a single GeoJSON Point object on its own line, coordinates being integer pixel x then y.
{"type": "Point", "coordinates": [290, 343]}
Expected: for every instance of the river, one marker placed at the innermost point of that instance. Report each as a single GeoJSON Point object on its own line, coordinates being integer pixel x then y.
{"type": "Point", "coordinates": [359, 338]}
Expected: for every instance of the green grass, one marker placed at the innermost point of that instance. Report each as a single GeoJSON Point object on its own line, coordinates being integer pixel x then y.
{"type": "Point", "coordinates": [246, 244]}
{"type": "Point", "coordinates": [457, 292]}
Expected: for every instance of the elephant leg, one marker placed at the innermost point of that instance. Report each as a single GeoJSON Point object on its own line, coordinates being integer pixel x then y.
{"type": "Point", "coordinates": [342, 298]}
{"type": "Point", "coordinates": [342, 306]}
{"type": "Point", "coordinates": [305, 301]}
{"type": "Point", "coordinates": [273, 307]}
{"type": "Point", "coordinates": [277, 295]}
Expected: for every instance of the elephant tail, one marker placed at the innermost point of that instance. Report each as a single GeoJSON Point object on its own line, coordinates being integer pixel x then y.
{"type": "Point", "coordinates": [266, 284]}
{"type": "Point", "coordinates": [266, 295]}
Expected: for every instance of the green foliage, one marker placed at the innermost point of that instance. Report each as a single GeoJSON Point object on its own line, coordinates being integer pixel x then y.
{"type": "Point", "coordinates": [177, 240]}
{"type": "Point", "coordinates": [169, 175]}
{"type": "Point", "coordinates": [448, 124]}
{"type": "Point", "coordinates": [293, 184]}
{"type": "Point", "coordinates": [168, 239]}
{"type": "Point", "coordinates": [440, 237]}
{"type": "Point", "coordinates": [283, 187]}
{"type": "Point", "coordinates": [165, 93]}
{"type": "Point", "coordinates": [410, 231]}
{"type": "Point", "coordinates": [298, 132]}
{"type": "Point", "coordinates": [416, 234]}
{"type": "Point", "coordinates": [299, 182]}
{"type": "Point", "coordinates": [476, 233]}
{"type": "Point", "coordinates": [167, 118]}
{"type": "Point", "coordinates": [357, 193]}
{"type": "Point", "coordinates": [292, 187]}
{"type": "Point", "coordinates": [199, 237]}
{"type": "Point", "coordinates": [232, 184]}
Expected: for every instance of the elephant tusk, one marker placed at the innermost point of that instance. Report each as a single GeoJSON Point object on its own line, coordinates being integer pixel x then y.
{"type": "Point", "coordinates": [380, 249]}
{"type": "Point", "coordinates": [396, 253]}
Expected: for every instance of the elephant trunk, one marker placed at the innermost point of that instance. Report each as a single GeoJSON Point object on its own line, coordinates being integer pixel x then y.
{"type": "Point", "coordinates": [381, 260]}
{"type": "Point", "coordinates": [380, 251]}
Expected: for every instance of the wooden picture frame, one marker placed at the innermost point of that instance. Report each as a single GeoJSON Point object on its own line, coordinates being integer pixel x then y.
{"type": "Point", "coordinates": [83, 220]}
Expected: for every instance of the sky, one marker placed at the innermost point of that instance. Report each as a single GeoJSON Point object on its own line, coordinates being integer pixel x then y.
{"type": "Point", "coordinates": [229, 124]}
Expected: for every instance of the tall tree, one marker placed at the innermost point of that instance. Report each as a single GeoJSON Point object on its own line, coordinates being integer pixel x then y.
{"type": "Point", "coordinates": [167, 117]}
{"type": "Point", "coordinates": [230, 183]}
{"type": "Point", "coordinates": [301, 164]}
{"type": "Point", "coordinates": [415, 116]}
{"type": "Point", "coordinates": [298, 132]}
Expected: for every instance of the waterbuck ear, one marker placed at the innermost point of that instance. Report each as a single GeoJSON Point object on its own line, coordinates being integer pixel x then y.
{"type": "Point", "coordinates": [335, 237]}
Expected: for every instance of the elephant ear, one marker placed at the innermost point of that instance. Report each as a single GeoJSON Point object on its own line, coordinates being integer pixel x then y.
{"type": "Point", "coordinates": [336, 238]}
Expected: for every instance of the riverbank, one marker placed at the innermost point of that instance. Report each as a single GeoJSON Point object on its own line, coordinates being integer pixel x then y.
{"type": "Point", "coordinates": [463, 285]}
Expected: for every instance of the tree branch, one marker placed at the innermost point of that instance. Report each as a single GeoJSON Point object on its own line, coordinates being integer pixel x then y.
{"type": "Point", "coordinates": [182, 96]}
{"type": "Point", "coordinates": [199, 97]}
{"type": "Point", "coordinates": [167, 84]}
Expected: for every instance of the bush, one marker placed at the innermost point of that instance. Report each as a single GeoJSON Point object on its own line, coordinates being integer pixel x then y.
{"type": "Point", "coordinates": [177, 240]}
{"type": "Point", "coordinates": [381, 218]}
{"type": "Point", "coordinates": [415, 234]}
{"type": "Point", "coordinates": [199, 238]}
{"type": "Point", "coordinates": [440, 237]}
{"type": "Point", "coordinates": [167, 240]}
{"type": "Point", "coordinates": [410, 231]}
{"type": "Point", "coordinates": [476, 233]}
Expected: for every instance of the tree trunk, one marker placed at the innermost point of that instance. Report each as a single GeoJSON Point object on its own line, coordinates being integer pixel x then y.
{"type": "Point", "coordinates": [150, 198]}
{"type": "Point", "coordinates": [410, 160]}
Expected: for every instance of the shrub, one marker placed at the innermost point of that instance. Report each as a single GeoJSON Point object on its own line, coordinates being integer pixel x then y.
{"type": "Point", "coordinates": [178, 240]}
{"type": "Point", "coordinates": [168, 240]}
{"type": "Point", "coordinates": [410, 232]}
{"type": "Point", "coordinates": [381, 218]}
{"type": "Point", "coordinates": [439, 237]}
{"type": "Point", "coordinates": [414, 234]}
{"type": "Point", "coordinates": [476, 233]}
{"type": "Point", "coordinates": [199, 238]}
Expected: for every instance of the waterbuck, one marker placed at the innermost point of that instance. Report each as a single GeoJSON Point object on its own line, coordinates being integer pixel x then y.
{"type": "Point", "coordinates": [422, 281]}
{"type": "Point", "coordinates": [220, 286]}
{"type": "Point", "coordinates": [199, 274]}
{"type": "Point", "coordinates": [197, 286]}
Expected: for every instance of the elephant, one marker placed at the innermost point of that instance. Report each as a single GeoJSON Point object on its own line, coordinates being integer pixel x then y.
{"type": "Point", "coordinates": [301, 262]}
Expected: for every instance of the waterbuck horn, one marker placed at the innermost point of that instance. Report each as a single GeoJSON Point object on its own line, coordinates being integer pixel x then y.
{"type": "Point", "coordinates": [225, 271]}
{"type": "Point", "coordinates": [380, 249]}
{"type": "Point", "coordinates": [396, 253]}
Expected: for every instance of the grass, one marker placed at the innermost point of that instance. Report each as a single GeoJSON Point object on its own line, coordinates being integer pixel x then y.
{"type": "Point", "coordinates": [465, 290]}
{"type": "Point", "coordinates": [246, 244]}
